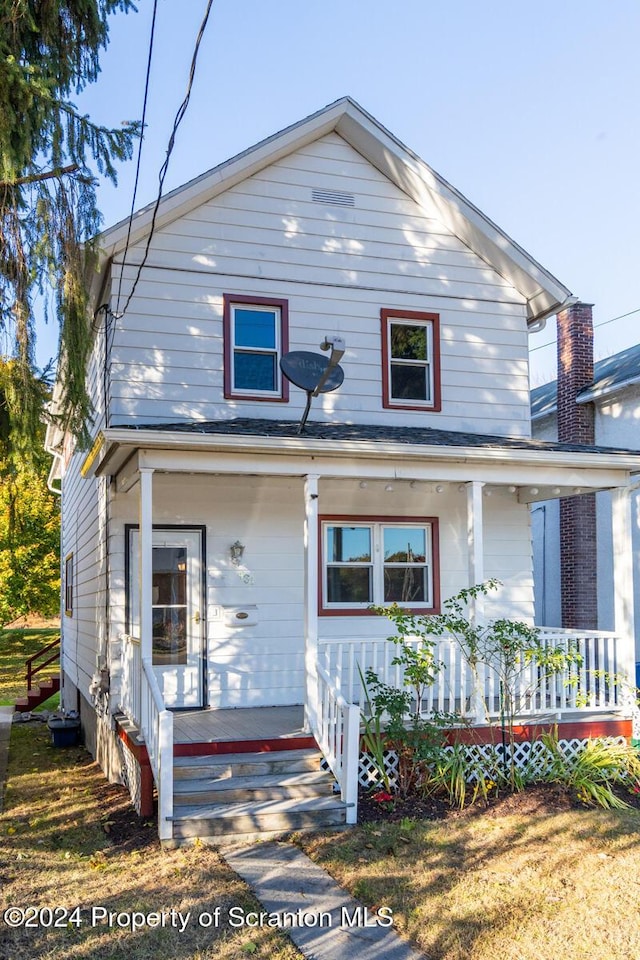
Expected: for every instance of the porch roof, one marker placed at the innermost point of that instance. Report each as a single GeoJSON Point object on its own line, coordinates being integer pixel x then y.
{"type": "Point", "coordinates": [546, 469]}
{"type": "Point", "coordinates": [375, 433]}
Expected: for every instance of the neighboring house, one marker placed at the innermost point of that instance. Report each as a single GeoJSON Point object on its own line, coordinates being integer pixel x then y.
{"type": "Point", "coordinates": [219, 564]}
{"type": "Point", "coordinates": [603, 400]}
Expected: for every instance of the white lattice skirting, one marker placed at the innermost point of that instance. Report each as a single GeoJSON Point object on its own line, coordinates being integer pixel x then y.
{"type": "Point", "coordinates": [131, 776]}
{"type": "Point", "coordinates": [532, 758]}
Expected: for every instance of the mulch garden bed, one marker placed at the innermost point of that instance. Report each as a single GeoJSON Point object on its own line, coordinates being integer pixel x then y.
{"type": "Point", "coordinates": [538, 798]}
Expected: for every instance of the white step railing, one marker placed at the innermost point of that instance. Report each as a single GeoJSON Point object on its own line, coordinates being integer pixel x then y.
{"type": "Point", "coordinates": [156, 726]}
{"type": "Point", "coordinates": [142, 702]}
{"type": "Point", "coordinates": [591, 684]}
{"type": "Point", "coordinates": [338, 736]}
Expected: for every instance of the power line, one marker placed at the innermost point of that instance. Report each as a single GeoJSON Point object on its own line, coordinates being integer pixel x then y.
{"type": "Point", "coordinates": [603, 323]}
{"type": "Point", "coordinates": [182, 109]}
{"type": "Point", "coordinates": [142, 129]}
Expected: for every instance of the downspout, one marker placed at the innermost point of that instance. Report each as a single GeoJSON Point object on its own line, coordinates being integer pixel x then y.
{"type": "Point", "coordinates": [540, 321]}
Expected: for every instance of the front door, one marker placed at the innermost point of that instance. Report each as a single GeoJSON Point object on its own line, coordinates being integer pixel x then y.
{"type": "Point", "coordinates": [177, 650]}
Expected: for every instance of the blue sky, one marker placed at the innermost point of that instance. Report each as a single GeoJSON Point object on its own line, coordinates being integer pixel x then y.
{"type": "Point", "coordinates": [531, 110]}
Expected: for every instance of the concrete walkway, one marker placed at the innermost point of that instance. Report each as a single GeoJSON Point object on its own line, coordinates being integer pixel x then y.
{"type": "Point", "coordinates": [6, 716]}
{"type": "Point", "coordinates": [285, 880]}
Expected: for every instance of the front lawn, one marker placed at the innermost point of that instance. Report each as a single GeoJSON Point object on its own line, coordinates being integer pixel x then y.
{"type": "Point", "coordinates": [532, 877]}
{"type": "Point", "coordinates": [69, 840]}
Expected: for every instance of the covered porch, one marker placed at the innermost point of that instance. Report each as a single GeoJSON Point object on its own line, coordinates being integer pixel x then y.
{"type": "Point", "coordinates": [478, 488]}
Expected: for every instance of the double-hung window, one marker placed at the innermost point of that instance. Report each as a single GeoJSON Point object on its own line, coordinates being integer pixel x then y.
{"type": "Point", "coordinates": [68, 585]}
{"type": "Point", "coordinates": [410, 360]}
{"type": "Point", "coordinates": [255, 338]}
{"type": "Point", "coordinates": [379, 561]}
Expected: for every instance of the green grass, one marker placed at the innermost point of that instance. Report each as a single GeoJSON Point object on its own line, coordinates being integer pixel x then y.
{"type": "Point", "coordinates": [15, 647]}
{"type": "Point", "coordinates": [70, 840]}
{"type": "Point", "coordinates": [528, 882]}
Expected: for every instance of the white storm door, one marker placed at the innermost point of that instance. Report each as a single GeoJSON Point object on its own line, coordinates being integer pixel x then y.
{"type": "Point", "coordinates": [177, 645]}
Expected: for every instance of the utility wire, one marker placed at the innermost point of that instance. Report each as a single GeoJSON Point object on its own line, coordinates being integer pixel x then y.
{"type": "Point", "coordinates": [182, 109]}
{"type": "Point", "coordinates": [142, 130]}
{"type": "Point", "coordinates": [602, 323]}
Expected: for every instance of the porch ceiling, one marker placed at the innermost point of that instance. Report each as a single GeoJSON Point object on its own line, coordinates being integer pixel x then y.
{"type": "Point", "coordinates": [540, 470]}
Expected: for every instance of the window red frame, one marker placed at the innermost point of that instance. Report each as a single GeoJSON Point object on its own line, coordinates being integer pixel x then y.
{"type": "Point", "coordinates": [68, 585]}
{"type": "Point", "coordinates": [425, 318]}
{"type": "Point", "coordinates": [351, 520]}
{"type": "Point", "coordinates": [230, 300]}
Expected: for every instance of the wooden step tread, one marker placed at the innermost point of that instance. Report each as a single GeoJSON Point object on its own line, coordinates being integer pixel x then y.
{"type": "Point", "coordinates": [262, 808]}
{"type": "Point", "coordinates": [307, 777]}
{"type": "Point", "coordinates": [221, 759]}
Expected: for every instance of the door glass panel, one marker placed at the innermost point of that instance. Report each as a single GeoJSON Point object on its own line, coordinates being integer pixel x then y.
{"type": "Point", "coordinates": [169, 605]}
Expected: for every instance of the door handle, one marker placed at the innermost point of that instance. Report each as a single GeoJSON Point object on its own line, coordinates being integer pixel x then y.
{"type": "Point", "coordinates": [196, 617]}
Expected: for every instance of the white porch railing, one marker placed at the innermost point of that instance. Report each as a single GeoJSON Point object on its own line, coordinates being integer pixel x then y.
{"type": "Point", "coordinates": [142, 702]}
{"type": "Point", "coordinates": [131, 679]}
{"type": "Point", "coordinates": [592, 684]}
{"type": "Point", "coordinates": [338, 737]}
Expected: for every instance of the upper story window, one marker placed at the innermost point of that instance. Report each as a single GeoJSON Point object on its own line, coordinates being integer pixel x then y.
{"type": "Point", "coordinates": [410, 360]}
{"type": "Point", "coordinates": [371, 560]}
{"type": "Point", "coordinates": [255, 338]}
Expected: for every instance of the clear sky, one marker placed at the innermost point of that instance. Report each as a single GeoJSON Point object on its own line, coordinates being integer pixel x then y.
{"type": "Point", "coordinates": [529, 109]}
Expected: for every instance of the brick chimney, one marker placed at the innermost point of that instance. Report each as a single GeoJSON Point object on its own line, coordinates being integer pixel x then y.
{"type": "Point", "coordinates": [576, 424]}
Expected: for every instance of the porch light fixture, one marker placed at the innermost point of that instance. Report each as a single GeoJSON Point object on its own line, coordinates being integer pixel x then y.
{"type": "Point", "coordinates": [236, 551]}
{"type": "Point", "coordinates": [389, 488]}
{"type": "Point", "coordinates": [439, 488]}
{"type": "Point", "coordinates": [363, 484]}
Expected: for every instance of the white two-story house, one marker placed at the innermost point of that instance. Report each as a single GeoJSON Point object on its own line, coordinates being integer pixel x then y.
{"type": "Point", "coordinates": [219, 560]}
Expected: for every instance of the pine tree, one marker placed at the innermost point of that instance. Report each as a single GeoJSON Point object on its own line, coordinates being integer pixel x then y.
{"type": "Point", "coordinates": [50, 49]}
{"type": "Point", "coordinates": [29, 513]}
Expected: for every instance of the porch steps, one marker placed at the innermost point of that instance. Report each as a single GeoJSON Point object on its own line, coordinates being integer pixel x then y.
{"type": "Point", "coordinates": [38, 694]}
{"type": "Point", "coordinates": [253, 793]}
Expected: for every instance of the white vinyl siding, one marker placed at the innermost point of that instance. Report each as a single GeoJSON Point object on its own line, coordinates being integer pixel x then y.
{"type": "Point", "coordinates": [337, 267]}
{"type": "Point", "coordinates": [263, 664]}
{"type": "Point", "coordinates": [84, 534]}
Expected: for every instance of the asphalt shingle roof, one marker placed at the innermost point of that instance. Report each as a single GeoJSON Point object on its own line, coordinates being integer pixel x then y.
{"type": "Point", "coordinates": [619, 370]}
{"type": "Point", "coordinates": [250, 427]}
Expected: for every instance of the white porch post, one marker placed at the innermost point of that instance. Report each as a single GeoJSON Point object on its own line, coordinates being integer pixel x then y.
{"type": "Point", "coordinates": [623, 580]}
{"type": "Point", "coordinates": [475, 541]}
{"type": "Point", "coordinates": [146, 562]}
{"type": "Point", "coordinates": [475, 546]}
{"type": "Point", "coordinates": [311, 600]}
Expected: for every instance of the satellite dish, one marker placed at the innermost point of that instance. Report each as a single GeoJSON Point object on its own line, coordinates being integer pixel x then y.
{"type": "Point", "coordinates": [313, 373]}
{"type": "Point", "coordinates": [306, 370]}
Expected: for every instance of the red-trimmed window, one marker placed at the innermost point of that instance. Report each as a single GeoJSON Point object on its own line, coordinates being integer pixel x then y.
{"type": "Point", "coordinates": [68, 585]}
{"type": "Point", "coordinates": [256, 332]}
{"type": "Point", "coordinates": [410, 360]}
{"type": "Point", "coordinates": [379, 560]}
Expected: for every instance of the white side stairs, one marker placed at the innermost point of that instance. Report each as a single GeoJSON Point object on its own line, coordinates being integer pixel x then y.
{"type": "Point", "coordinates": [251, 793]}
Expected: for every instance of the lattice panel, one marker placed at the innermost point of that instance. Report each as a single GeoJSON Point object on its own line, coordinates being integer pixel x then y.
{"type": "Point", "coordinates": [531, 757]}
{"type": "Point", "coordinates": [131, 776]}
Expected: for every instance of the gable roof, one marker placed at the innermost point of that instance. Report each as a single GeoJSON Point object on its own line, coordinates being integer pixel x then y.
{"type": "Point", "coordinates": [609, 375]}
{"type": "Point", "coordinates": [543, 292]}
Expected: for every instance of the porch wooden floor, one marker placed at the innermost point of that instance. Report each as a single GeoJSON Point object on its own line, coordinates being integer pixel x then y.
{"type": "Point", "coordinates": [239, 724]}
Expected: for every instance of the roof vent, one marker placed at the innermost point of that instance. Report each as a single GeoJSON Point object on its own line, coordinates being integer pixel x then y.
{"type": "Point", "coordinates": [334, 197]}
